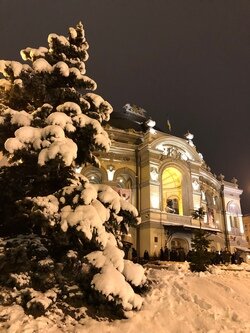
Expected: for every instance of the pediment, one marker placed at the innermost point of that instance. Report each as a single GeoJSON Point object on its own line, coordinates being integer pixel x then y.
{"type": "Point", "coordinates": [176, 148]}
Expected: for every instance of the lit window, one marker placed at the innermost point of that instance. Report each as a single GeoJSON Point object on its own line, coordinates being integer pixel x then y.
{"type": "Point", "coordinates": [172, 190]}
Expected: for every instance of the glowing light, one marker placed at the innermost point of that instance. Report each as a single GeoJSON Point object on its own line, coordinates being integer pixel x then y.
{"type": "Point", "coordinates": [78, 170]}
{"type": "Point", "coordinates": [150, 123]}
{"type": "Point", "coordinates": [110, 172]}
{"type": "Point", "coordinates": [241, 225]}
{"type": "Point", "coordinates": [152, 130]}
{"type": "Point", "coordinates": [228, 223]}
{"type": "Point", "coordinates": [154, 201]}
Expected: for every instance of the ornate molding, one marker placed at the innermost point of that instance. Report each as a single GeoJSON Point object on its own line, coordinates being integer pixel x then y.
{"type": "Point", "coordinates": [169, 151]}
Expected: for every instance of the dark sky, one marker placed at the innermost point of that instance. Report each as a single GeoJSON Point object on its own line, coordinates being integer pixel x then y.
{"type": "Point", "coordinates": [184, 60]}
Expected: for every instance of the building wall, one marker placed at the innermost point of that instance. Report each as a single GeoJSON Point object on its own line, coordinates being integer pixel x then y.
{"type": "Point", "coordinates": [246, 222]}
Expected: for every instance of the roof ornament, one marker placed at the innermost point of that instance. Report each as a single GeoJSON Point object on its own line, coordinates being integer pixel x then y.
{"type": "Point", "coordinates": [134, 109]}
{"type": "Point", "coordinates": [189, 137]}
{"type": "Point", "coordinates": [221, 177]}
{"type": "Point", "coordinates": [234, 181]}
{"type": "Point", "coordinates": [150, 123]}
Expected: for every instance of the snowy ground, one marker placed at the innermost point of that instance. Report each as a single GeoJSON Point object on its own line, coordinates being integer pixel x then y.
{"type": "Point", "coordinates": [179, 301]}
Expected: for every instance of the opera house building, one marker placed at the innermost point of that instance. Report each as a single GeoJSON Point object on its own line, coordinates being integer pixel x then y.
{"type": "Point", "coordinates": [166, 178]}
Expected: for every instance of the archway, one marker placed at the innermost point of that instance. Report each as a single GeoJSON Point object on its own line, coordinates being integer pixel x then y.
{"type": "Point", "coordinates": [178, 243]}
{"type": "Point", "coordinates": [124, 180]}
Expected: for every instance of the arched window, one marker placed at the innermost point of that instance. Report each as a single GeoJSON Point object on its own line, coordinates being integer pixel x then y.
{"type": "Point", "coordinates": [172, 190]}
{"type": "Point", "coordinates": [210, 203]}
{"type": "Point", "coordinates": [94, 175]}
{"type": "Point", "coordinates": [124, 181]}
{"type": "Point", "coordinates": [233, 208]}
{"type": "Point", "coordinates": [179, 244]}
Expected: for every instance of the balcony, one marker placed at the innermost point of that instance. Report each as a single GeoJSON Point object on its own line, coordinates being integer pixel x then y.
{"type": "Point", "coordinates": [169, 219]}
{"type": "Point", "coordinates": [179, 219]}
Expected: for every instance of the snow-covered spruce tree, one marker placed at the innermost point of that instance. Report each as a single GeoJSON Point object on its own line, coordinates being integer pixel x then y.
{"type": "Point", "coordinates": [70, 247]}
{"type": "Point", "coordinates": [200, 258]}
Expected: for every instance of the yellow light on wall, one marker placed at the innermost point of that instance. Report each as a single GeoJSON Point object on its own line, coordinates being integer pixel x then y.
{"type": "Point", "coordinates": [241, 225]}
{"type": "Point", "coordinates": [228, 223]}
{"type": "Point", "coordinates": [155, 201]}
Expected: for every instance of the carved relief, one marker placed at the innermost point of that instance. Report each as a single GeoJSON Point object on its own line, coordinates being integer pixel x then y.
{"type": "Point", "coordinates": [173, 152]}
{"type": "Point", "coordinates": [196, 185]}
{"type": "Point", "coordinates": [154, 174]}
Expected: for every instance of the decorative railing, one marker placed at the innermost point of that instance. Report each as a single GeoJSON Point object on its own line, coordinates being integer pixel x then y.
{"type": "Point", "coordinates": [179, 219]}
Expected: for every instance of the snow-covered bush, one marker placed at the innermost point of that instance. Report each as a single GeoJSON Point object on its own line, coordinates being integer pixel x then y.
{"type": "Point", "coordinates": [50, 122]}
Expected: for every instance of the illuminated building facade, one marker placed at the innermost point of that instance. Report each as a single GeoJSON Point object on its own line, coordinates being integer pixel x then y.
{"type": "Point", "coordinates": [167, 179]}
{"type": "Point", "coordinates": [246, 222]}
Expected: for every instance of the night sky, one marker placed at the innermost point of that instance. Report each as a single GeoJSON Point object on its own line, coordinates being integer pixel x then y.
{"type": "Point", "coordinates": [187, 61]}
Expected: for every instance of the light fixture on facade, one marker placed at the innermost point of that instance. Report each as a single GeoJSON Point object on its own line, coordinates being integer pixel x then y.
{"type": "Point", "coordinates": [78, 170]}
{"type": "Point", "coordinates": [111, 172]}
{"type": "Point", "coordinates": [151, 124]}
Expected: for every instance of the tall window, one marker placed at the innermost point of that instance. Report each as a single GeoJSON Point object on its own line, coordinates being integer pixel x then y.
{"type": "Point", "coordinates": [172, 191]}
{"type": "Point", "coordinates": [234, 211]}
